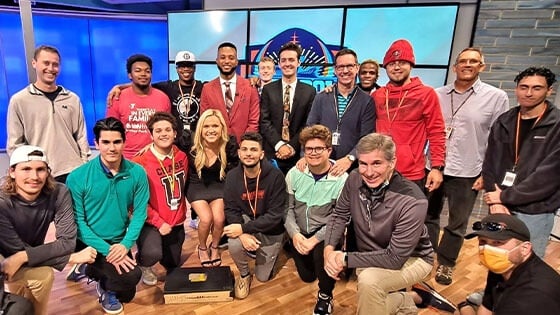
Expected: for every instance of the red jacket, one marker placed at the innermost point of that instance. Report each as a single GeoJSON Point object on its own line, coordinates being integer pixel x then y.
{"type": "Point", "coordinates": [159, 205]}
{"type": "Point", "coordinates": [417, 120]}
{"type": "Point", "coordinates": [245, 112]}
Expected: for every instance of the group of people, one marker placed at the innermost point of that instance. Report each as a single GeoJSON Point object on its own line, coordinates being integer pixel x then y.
{"type": "Point", "coordinates": [353, 177]}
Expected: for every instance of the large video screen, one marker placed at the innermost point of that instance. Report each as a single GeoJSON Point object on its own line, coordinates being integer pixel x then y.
{"type": "Point", "coordinates": [93, 56]}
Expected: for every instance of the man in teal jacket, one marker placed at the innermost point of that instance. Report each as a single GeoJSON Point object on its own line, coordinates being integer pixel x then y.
{"type": "Point", "coordinates": [110, 198]}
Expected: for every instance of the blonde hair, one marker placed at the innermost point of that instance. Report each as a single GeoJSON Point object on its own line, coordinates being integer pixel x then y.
{"type": "Point", "coordinates": [8, 184]}
{"type": "Point", "coordinates": [198, 146]}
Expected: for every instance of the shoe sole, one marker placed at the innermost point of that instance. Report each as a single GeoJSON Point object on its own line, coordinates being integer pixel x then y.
{"type": "Point", "coordinates": [150, 283]}
{"type": "Point", "coordinates": [112, 312]}
{"type": "Point", "coordinates": [73, 275]}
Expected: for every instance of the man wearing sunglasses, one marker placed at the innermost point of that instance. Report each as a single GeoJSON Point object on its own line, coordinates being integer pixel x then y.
{"type": "Point", "coordinates": [518, 281]}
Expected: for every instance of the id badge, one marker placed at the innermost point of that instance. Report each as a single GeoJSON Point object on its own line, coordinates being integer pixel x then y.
{"type": "Point", "coordinates": [448, 132]}
{"type": "Point", "coordinates": [509, 179]}
{"type": "Point", "coordinates": [174, 204]}
{"type": "Point", "coordinates": [336, 138]}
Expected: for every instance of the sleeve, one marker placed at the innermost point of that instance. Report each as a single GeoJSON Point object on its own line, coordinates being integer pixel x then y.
{"type": "Point", "coordinates": [367, 122]}
{"type": "Point", "coordinates": [294, 141]}
{"type": "Point", "coordinates": [435, 128]}
{"type": "Point", "coordinates": [204, 98]}
{"type": "Point", "coordinates": [141, 195]}
{"type": "Point", "coordinates": [320, 234]}
{"type": "Point", "coordinates": [153, 216]}
{"type": "Point", "coordinates": [57, 253]}
{"type": "Point", "coordinates": [315, 112]}
{"type": "Point", "coordinates": [254, 110]}
{"type": "Point", "coordinates": [232, 211]}
{"type": "Point", "coordinates": [276, 198]}
{"type": "Point", "coordinates": [492, 155]}
{"type": "Point", "coordinates": [492, 280]}
{"type": "Point", "coordinates": [339, 217]}
{"type": "Point", "coordinates": [113, 111]}
{"type": "Point", "coordinates": [10, 242]}
{"type": "Point", "coordinates": [266, 128]}
{"type": "Point", "coordinates": [290, 222]}
{"type": "Point", "coordinates": [86, 234]}
{"type": "Point", "coordinates": [14, 127]}
{"type": "Point", "coordinates": [80, 134]}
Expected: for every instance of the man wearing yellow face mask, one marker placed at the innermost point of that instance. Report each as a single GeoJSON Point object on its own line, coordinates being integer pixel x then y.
{"type": "Point", "coordinates": [518, 281]}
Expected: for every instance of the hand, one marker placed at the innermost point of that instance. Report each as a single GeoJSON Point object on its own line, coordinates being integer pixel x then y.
{"type": "Point", "coordinates": [328, 89]}
{"type": "Point", "coordinates": [124, 265]}
{"type": "Point", "coordinates": [144, 149]}
{"type": "Point", "coordinates": [493, 197]}
{"type": "Point", "coordinates": [233, 230]}
{"type": "Point", "coordinates": [164, 229]}
{"type": "Point", "coordinates": [116, 253]}
{"type": "Point", "coordinates": [85, 256]}
{"type": "Point", "coordinates": [12, 264]}
{"type": "Point", "coordinates": [334, 262]}
{"type": "Point", "coordinates": [499, 208]}
{"type": "Point", "coordinates": [249, 242]}
{"type": "Point", "coordinates": [285, 152]}
{"type": "Point", "coordinates": [299, 243]}
{"type": "Point", "coordinates": [340, 166]}
{"type": "Point", "coordinates": [254, 81]}
{"type": "Point", "coordinates": [113, 94]}
{"type": "Point", "coordinates": [434, 180]}
{"type": "Point", "coordinates": [478, 184]}
{"type": "Point", "coordinates": [301, 164]}
{"type": "Point", "coordinates": [309, 243]}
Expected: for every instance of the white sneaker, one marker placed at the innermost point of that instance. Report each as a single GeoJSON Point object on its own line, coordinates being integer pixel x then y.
{"type": "Point", "coordinates": [148, 276]}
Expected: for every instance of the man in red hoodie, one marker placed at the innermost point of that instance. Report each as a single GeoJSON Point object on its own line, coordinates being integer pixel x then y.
{"type": "Point", "coordinates": [409, 111]}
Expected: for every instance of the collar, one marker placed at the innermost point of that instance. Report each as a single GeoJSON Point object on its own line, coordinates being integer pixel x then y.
{"type": "Point", "coordinates": [33, 90]}
{"type": "Point", "coordinates": [160, 156]}
{"type": "Point", "coordinates": [349, 94]}
{"type": "Point", "coordinates": [232, 81]}
{"type": "Point", "coordinates": [477, 85]}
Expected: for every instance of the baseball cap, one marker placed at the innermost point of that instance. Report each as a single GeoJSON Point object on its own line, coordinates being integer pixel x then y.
{"type": "Point", "coordinates": [185, 56]}
{"type": "Point", "coordinates": [23, 154]}
{"type": "Point", "coordinates": [500, 226]}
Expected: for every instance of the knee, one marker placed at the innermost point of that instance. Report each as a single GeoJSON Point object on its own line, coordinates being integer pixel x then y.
{"type": "Point", "coordinates": [368, 282]}
{"type": "Point", "coordinates": [149, 255]}
{"type": "Point", "coordinates": [234, 245]}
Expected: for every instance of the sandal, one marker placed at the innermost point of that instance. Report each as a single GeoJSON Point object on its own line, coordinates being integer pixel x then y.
{"type": "Point", "coordinates": [218, 261]}
{"type": "Point", "coordinates": [205, 263]}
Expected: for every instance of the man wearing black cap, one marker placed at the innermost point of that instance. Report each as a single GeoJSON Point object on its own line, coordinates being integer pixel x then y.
{"type": "Point", "coordinates": [518, 282]}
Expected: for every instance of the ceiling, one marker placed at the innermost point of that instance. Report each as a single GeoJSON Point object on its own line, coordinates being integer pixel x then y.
{"type": "Point", "coordinates": [128, 6]}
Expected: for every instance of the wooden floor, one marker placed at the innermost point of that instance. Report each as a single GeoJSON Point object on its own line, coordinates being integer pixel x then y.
{"type": "Point", "coordinates": [285, 294]}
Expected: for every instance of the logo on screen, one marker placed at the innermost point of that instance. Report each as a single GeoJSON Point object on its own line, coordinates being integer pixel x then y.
{"type": "Point", "coordinates": [316, 59]}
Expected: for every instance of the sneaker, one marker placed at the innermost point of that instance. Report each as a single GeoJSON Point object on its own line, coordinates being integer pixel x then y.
{"type": "Point", "coordinates": [324, 305]}
{"type": "Point", "coordinates": [242, 286]}
{"type": "Point", "coordinates": [77, 272]}
{"type": "Point", "coordinates": [108, 300]}
{"type": "Point", "coordinates": [148, 276]}
{"type": "Point", "coordinates": [444, 274]}
{"type": "Point", "coordinates": [430, 298]}
{"type": "Point", "coordinates": [476, 297]}
{"type": "Point", "coordinates": [193, 224]}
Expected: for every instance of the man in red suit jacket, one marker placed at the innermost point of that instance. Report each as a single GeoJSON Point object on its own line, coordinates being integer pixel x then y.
{"type": "Point", "coordinates": [243, 114]}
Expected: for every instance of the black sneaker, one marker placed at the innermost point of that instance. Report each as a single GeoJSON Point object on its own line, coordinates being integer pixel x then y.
{"type": "Point", "coordinates": [77, 272]}
{"type": "Point", "coordinates": [324, 305]}
{"type": "Point", "coordinates": [430, 298]}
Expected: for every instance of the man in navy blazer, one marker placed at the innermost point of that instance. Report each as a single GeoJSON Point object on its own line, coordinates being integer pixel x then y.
{"type": "Point", "coordinates": [285, 105]}
{"type": "Point", "coordinates": [243, 113]}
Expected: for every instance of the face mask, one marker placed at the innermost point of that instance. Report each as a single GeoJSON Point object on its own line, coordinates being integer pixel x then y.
{"type": "Point", "coordinates": [495, 259]}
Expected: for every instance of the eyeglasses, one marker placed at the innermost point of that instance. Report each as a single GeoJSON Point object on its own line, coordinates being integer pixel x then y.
{"type": "Point", "coordinates": [473, 62]}
{"type": "Point", "coordinates": [344, 67]}
{"type": "Point", "coordinates": [318, 150]}
{"type": "Point", "coordinates": [400, 63]}
{"type": "Point", "coordinates": [489, 226]}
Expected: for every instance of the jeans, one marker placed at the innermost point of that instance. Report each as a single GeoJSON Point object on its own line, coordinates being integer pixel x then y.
{"type": "Point", "coordinates": [539, 225]}
{"type": "Point", "coordinates": [378, 288]}
{"type": "Point", "coordinates": [154, 247]}
{"type": "Point", "coordinates": [461, 198]}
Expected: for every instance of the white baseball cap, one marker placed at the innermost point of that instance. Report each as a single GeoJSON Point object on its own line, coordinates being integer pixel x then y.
{"type": "Point", "coordinates": [184, 56]}
{"type": "Point", "coordinates": [24, 154]}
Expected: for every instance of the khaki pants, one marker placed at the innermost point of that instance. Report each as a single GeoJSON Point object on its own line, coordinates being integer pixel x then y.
{"type": "Point", "coordinates": [35, 284]}
{"type": "Point", "coordinates": [378, 288]}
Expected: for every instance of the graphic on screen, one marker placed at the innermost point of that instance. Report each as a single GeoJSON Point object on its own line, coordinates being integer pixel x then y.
{"type": "Point", "coordinates": [316, 59]}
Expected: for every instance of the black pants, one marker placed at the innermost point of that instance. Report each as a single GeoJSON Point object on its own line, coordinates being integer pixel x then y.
{"type": "Point", "coordinates": [311, 267]}
{"type": "Point", "coordinates": [124, 285]}
{"type": "Point", "coordinates": [154, 247]}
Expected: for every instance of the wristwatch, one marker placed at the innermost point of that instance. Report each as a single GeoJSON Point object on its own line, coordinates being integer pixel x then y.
{"type": "Point", "coordinates": [351, 158]}
{"type": "Point", "coordinates": [439, 168]}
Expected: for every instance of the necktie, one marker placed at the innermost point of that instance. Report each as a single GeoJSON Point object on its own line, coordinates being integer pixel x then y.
{"type": "Point", "coordinates": [286, 120]}
{"type": "Point", "coordinates": [228, 98]}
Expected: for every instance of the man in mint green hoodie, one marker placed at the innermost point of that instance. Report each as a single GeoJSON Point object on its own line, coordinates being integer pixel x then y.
{"type": "Point", "coordinates": [110, 197]}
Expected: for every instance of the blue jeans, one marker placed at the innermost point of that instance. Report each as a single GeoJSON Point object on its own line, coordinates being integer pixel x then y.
{"type": "Point", "coordinates": [539, 225]}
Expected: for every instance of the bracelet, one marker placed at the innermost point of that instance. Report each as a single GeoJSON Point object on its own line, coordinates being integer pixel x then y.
{"type": "Point", "coordinates": [465, 303]}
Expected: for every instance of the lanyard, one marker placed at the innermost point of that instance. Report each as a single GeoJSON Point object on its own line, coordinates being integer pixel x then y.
{"type": "Point", "coordinates": [171, 178]}
{"type": "Point", "coordinates": [253, 208]}
{"type": "Point", "coordinates": [401, 101]}
{"type": "Point", "coordinates": [517, 127]}
{"type": "Point", "coordinates": [188, 105]}
{"type": "Point", "coordinates": [453, 111]}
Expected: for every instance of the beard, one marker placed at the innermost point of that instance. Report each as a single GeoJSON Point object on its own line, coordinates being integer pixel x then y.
{"type": "Point", "coordinates": [227, 73]}
{"type": "Point", "coordinates": [250, 166]}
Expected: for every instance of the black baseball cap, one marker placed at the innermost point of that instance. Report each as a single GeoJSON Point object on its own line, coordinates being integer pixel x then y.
{"type": "Point", "coordinates": [501, 227]}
